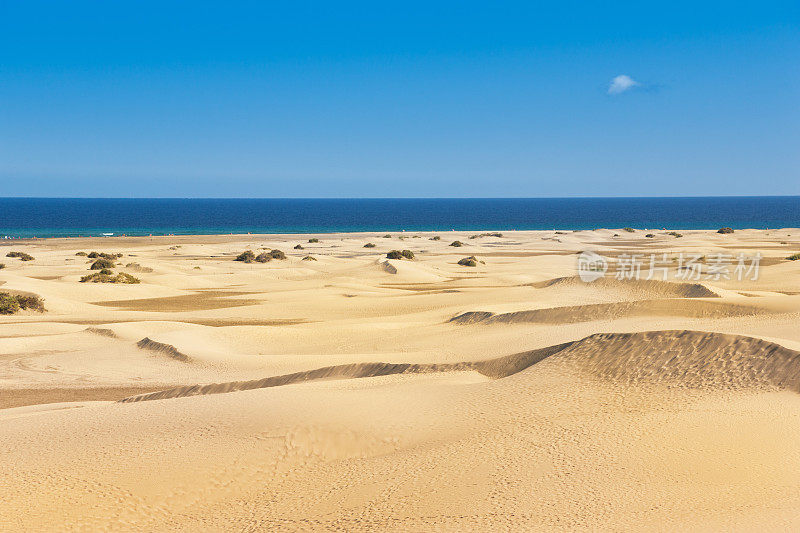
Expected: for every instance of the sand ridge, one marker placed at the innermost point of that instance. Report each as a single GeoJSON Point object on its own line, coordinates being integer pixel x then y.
{"type": "Point", "coordinates": [345, 394]}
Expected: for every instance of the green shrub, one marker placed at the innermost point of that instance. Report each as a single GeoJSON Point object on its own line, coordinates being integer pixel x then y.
{"type": "Point", "coordinates": [313, 240]}
{"type": "Point", "coordinates": [106, 276]}
{"type": "Point", "coordinates": [246, 257]}
{"type": "Point", "coordinates": [82, 254]}
{"type": "Point", "coordinates": [794, 257]}
{"type": "Point", "coordinates": [8, 304]}
{"type": "Point", "coordinates": [478, 236]}
{"type": "Point", "coordinates": [263, 257]}
{"type": "Point", "coordinates": [675, 234]}
{"type": "Point", "coordinates": [298, 247]}
{"type": "Point", "coordinates": [101, 264]}
{"type": "Point", "coordinates": [277, 254]}
{"type": "Point", "coordinates": [398, 254]}
{"type": "Point", "coordinates": [436, 238]}
{"type": "Point", "coordinates": [725, 230]}
{"type": "Point", "coordinates": [309, 258]}
{"type": "Point", "coordinates": [22, 256]}
{"type": "Point", "coordinates": [457, 244]}
{"type": "Point", "coordinates": [369, 245]}
{"type": "Point", "coordinates": [387, 236]}
{"type": "Point", "coordinates": [11, 303]}
{"type": "Point", "coordinates": [469, 261]}
{"type": "Point", "coordinates": [629, 230]}
{"type": "Point", "coordinates": [103, 255]}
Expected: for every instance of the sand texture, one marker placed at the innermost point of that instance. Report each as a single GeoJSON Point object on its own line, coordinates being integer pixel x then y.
{"type": "Point", "coordinates": [358, 393]}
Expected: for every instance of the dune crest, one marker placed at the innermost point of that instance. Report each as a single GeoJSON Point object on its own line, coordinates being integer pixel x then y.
{"type": "Point", "coordinates": [687, 358]}
{"type": "Point", "coordinates": [641, 287]}
{"type": "Point", "coordinates": [159, 347]}
{"type": "Point", "coordinates": [611, 311]}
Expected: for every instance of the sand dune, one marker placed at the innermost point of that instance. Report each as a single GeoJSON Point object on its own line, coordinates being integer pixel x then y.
{"type": "Point", "coordinates": [642, 288]}
{"type": "Point", "coordinates": [611, 311]}
{"type": "Point", "coordinates": [342, 394]}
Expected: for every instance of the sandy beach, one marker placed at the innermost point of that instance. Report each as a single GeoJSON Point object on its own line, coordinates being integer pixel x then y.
{"type": "Point", "coordinates": [354, 392]}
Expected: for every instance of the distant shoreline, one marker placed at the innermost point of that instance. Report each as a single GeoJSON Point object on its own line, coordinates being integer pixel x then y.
{"type": "Point", "coordinates": [59, 217]}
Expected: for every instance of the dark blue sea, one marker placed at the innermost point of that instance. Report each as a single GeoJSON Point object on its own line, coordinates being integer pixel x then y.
{"type": "Point", "coordinates": [62, 217]}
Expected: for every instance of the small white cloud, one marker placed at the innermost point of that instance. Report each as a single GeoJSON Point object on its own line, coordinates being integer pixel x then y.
{"type": "Point", "coordinates": [622, 83]}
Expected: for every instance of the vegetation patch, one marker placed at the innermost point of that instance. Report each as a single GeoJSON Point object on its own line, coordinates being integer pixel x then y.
{"type": "Point", "coordinates": [106, 276]}
{"type": "Point", "coordinates": [298, 247]}
{"type": "Point", "coordinates": [436, 238]}
{"type": "Point", "coordinates": [101, 264]}
{"type": "Point", "coordinates": [369, 245]}
{"type": "Point", "coordinates": [457, 244]}
{"type": "Point", "coordinates": [309, 258]}
{"type": "Point", "coordinates": [794, 257]}
{"type": "Point", "coordinates": [649, 235]}
{"type": "Point", "coordinates": [469, 261]}
{"type": "Point", "coordinates": [269, 256]}
{"type": "Point", "coordinates": [11, 303]}
{"type": "Point", "coordinates": [387, 236]}
{"type": "Point", "coordinates": [725, 230]}
{"type": "Point", "coordinates": [675, 234]}
{"type": "Point", "coordinates": [400, 254]}
{"type": "Point", "coordinates": [313, 240]}
{"type": "Point", "coordinates": [22, 256]}
{"type": "Point", "coordinates": [103, 255]}
{"type": "Point", "coordinates": [81, 254]}
{"type": "Point", "coordinates": [478, 236]}
{"type": "Point", "coordinates": [629, 230]}
{"type": "Point", "coordinates": [246, 257]}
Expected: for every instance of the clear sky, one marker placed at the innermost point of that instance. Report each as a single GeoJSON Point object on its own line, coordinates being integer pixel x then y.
{"type": "Point", "coordinates": [399, 99]}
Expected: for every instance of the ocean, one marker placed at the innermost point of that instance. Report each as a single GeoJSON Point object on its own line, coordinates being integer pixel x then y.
{"type": "Point", "coordinates": [73, 217]}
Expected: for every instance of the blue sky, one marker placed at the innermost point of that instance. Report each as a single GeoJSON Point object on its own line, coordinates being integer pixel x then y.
{"type": "Point", "coordinates": [400, 99]}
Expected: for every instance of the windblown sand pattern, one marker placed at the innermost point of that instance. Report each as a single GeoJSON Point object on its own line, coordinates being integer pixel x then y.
{"type": "Point", "coordinates": [360, 393]}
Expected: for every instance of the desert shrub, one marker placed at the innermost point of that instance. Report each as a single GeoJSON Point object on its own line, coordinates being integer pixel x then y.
{"type": "Point", "coordinates": [469, 261]}
{"type": "Point", "coordinates": [457, 244]}
{"type": "Point", "coordinates": [106, 276]}
{"type": "Point", "coordinates": [22, 256]}
{"type": "Point", "coordinates": [313, 240]}
{"type": "Point", "coordinates": [725, 230]}
{"type": "Point", "coordinates": [2, 266]}
{"type": "Point", "coordinates": [387, 236]}
{"type": "Point", "coordinates": [263, 257]}
{"type": "Point", "coordinates": [436, 238]}
{"type": "Point", "coordinates": [277, 254]}
{"type": "Point", "coordinates": [298, 247]}
{"type": "Point", "coordinates": [101, 264]}
{"type": "Point", "coordinates": [561, 233]}
{"type": "Point", "coordinates": [398, 254]}
{"type": "Point", "coordinates": [649, 235]}
{"type": "Point", "coordinates": [675, 234]}
{"type": "Point", "coordinates": [794, 257]}
{"type": "Point", "coordinates": [616, 235]}
{"type": "Point", "coordinates": [369, 245]}
{"type": "Point", "coordinates": [103, 255]}
{"type": "Point", "coordinates": [478, 236]}
{"type": "Point", "coordinates": [8, 304]}
{"type": "Point", "coordinates": [82, 254]}
{"type": "Point", "coordinates": [629, 230]}
{"type": "Point", "coordinates": [309, 258]}
{"type": "Point", "coordinates": [30, 301]}
{"type": "Point", "coordinates": [246, 257]}
{"type": "Point", "coordinates": [11, 303]}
